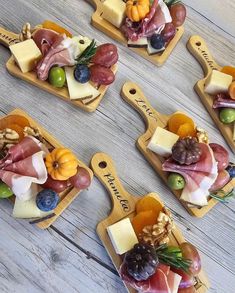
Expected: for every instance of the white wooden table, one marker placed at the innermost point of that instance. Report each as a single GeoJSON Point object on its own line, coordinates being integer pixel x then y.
{"type": "Point", "coordinates": [69, 257]}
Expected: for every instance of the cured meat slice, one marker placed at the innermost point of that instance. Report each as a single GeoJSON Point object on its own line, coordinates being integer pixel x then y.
{"type": "Point", "coordinates": [63, 52]}
{"type": "Point", "coordinates": [222, 102]}
{"type": "Point", "coordinates": [158, 16]}
{"type": "Point", "coordinates": [44, 39]}
{"type": "Point", "coordinates": [199, 177]}
{"type": "Point", "coordinates": [158, 283]}
{"type": "Point", "coordinates": [173, 280]}
{"type": "Point", "coordinates": [23, 166]}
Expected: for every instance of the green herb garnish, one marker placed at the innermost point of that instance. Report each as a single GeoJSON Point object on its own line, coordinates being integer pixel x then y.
{"type": "Point", "coordinates": [169, 3]}
{"type": "Point", "coordinates": [173, 258]}
{"type": "Point", "coordinates": [87, 54]}
{"type": "Point", "coordinates": [223, 196]}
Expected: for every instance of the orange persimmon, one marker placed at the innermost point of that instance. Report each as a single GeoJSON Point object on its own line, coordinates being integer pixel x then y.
{"type": "Point", "coordinates": [13, 119]}
{"type": "Point", "coordinates": [149, 203]}
{"type": "Point", "coordinates": [143, 219]}
{"type": "Point", "coordinates": [229, 70]}
{"type": "Point", "coordinates": [186, 129]}
{"type": "Point", "coordinates": [231, 90]}
{"type": "Point", "coordinates": [55, 27]}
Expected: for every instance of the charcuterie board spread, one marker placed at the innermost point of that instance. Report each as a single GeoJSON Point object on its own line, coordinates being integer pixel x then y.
{"type": "Point", "coordinates": [147, 249]}
{"type": "Point", "coordinates": [198, 171]}
{"type": "Point", "coordinates": [216, 90]}
{"type": "Point", "coordinates": [73, 68]}
{"type": "Point", "coordinates": [152, 29]}
{"type": "Point", "coordinates": [38, 174]}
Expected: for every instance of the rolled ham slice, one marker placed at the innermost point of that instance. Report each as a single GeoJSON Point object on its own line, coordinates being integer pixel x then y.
{"type": "Point", "coordinates": [44, 39]}
{"type": "Point", "coordinates": [199, 177]}
{"type": "Point", "coordinates": [23, 166]}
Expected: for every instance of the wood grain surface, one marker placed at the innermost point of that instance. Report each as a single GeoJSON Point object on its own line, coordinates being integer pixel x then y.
{"type": "Point", "coordinates": [69, 257]}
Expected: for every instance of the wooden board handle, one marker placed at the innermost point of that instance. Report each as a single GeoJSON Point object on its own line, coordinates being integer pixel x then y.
{"type": "Point", "coordinates": [133, 95]}
{"type": "Point", "coordinates": [103, 168]}
{"type": "Point", "coordinates": [8, 38]}
{"type": "Point", "coordinates": [198, 48]}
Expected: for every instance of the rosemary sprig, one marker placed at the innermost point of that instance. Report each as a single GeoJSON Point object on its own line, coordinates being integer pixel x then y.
{"type": "Point", "coordinates": [224, 196]}
{"type": "Point", "coordinates": [173, 258]}
{"type": "Point", "coordinates": [171, 2]}
{"type": "Point", "coordinates": [87, 54]}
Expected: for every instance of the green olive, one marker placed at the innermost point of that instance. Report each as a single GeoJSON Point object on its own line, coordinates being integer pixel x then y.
{"type": "Point", "coordinates": [175, 181]}
{"type": "Point", "coordinates": [57, 76]}
{"type": "Point", "coordinates": [5, 190]}
{"type": "Point", "coordinates": [227, 115]}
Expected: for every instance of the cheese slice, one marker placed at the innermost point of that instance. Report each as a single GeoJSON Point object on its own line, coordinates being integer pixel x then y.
{"type": "Point", "coordinates": [26, 55]}
{"type": "Point", "coordinates": [83, 42]}
{"type": "Point", "coordinates": [217, 82]}
{"type": "Point", "coordinates": [79, 90]}
{"type": "Point", "coordinates": [26, 209]}
{"type": "Point", "coordinates": [162, 142]}
{"type": "Point", "coordinates": [141, 43]}
{"type": "Point", "coordinates": [122, 236]}
{"type": "Point", "coordinates": [114, 11]}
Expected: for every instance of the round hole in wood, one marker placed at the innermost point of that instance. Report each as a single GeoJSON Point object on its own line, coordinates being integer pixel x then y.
{"type": "Point", "coordinates": [132, 91]}
{"type": "Point", "coordinates": [198, 44]}
{"type": "Point", "coordinates": [103, 165]}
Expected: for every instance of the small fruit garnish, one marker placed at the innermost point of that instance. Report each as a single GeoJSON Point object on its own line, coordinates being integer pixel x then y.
{"type": "Point", "coordinates": [178, 14]}
{"type": "Point", "coordinates": [56, 185]}
{"type": "Point", "coordinates": [227, 115]}
{"type": "Point", "coordinates": [143, 219]}
{"type": "Point", "coordinates": [175, 181]}
{"type": "Point", "coordinates": [157, 41]}
{"type": "Point", "coordinates": [141, 261]}
{"type": "Point", "coordinates": [55, 27]}
{"type": "Point", "coordinates": [229, 70]}
{"type": "Point", "coordinates": [186, 151]}
{"type": "Point", "coordinates": [231, 169]}
{"type": "Point", "coordinates": [231, 90]}
{"type": "Point", "coordinates": [182, 125]}
{"type": "Point", "coordinates": [57, 76]}
{"type": "Point", "coordinates": [82, 73]}
{"type": "Point", "coordinates": [137, 9]}
{"type": "Point", "coordinates": [148, 203]}
{"type": "Point", "coordinates": [47, 200]}
{"type": "Point", "coordinates": [81, 180]}
{"type": "Point", "coordinates": [5, 190]}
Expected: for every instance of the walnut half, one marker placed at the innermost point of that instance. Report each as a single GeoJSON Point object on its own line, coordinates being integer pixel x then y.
{"type": "Point", "coordinates": [8, 137]}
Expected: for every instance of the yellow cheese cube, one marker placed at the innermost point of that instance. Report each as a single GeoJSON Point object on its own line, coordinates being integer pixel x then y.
{"type": "Point", "coordinates": [162, 142]}
{"type": "Point", "coordinates": [217, 82]}
{"type": "Point", "coordinates": [26, 55]}
{"type": "Point", "coordinates": [122, 236]}
{"type": "Point", "coordinates": [114, 11]}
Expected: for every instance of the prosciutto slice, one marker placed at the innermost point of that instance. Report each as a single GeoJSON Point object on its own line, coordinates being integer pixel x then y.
{"type": "Point", "coordinates": [44, 39]}
{"type": "Point", "coordinates": [154, 21]}
{"type": "Point", "coordinates": [163, 281]}
{"type": "Point", "coordinates": [62, 52]}
{"type": "Point", "coordinates": [23, 166]}
{"type": "Point", "coordinates": [223, 101]}
{"type": "Point", "coordinates": [199, 177]}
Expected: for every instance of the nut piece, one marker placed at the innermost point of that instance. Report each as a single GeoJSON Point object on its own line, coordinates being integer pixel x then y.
{"type": "Point", "coordinates": [8, 137]}
{"type": "Point", "coordinates": [202, 135]}
{"type": "Point", "coordinates": [159, 233]}
{"type": "Point", "coordinates": [27, 32]}
{"type": "Point", "coordinates": [33, 131]}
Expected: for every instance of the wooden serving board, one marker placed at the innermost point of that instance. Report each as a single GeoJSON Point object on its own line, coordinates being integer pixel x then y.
{"type": "Point", "coordinates": [132, 94]}
{"type": "Point", "coordinates": [198, 48]}
{"type": "Point", "coordinates": [123, 205]}
{"type": "Point", "coordinates": [89, 105]}
{"type": "Point", "coordinates": [67, 196]}
{"type": "Point", "coordinates": [116, 34]}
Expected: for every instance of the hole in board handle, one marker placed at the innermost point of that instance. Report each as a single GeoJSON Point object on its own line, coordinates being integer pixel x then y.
{"type": "Point", "coordinates": [103, 165]}
{"type": "Point", "coordinates": [198, 44]}
{"type": "Point", "coordinates": [132, 91]}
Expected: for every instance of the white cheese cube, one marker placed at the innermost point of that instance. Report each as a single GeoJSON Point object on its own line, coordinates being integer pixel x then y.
{"type": "Point", "coordinates": [83, 42]}
{"type": "Point", "coordinates": [217, 82]}
{"type": "Point", "coordinates": [114, 11]}
{"type": "Point", "coordinates": [26, 55]}
{"type": "Point", "coordinates": [122, 236]}
{"type": "Point", "coordinates": [79, 90]}
{"type": "Point", "coordinates": [26, 209]}
{"type": "Point", "coordinates": [141, 43]}
{"type": "Point", "coordinates": [162, 142]}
